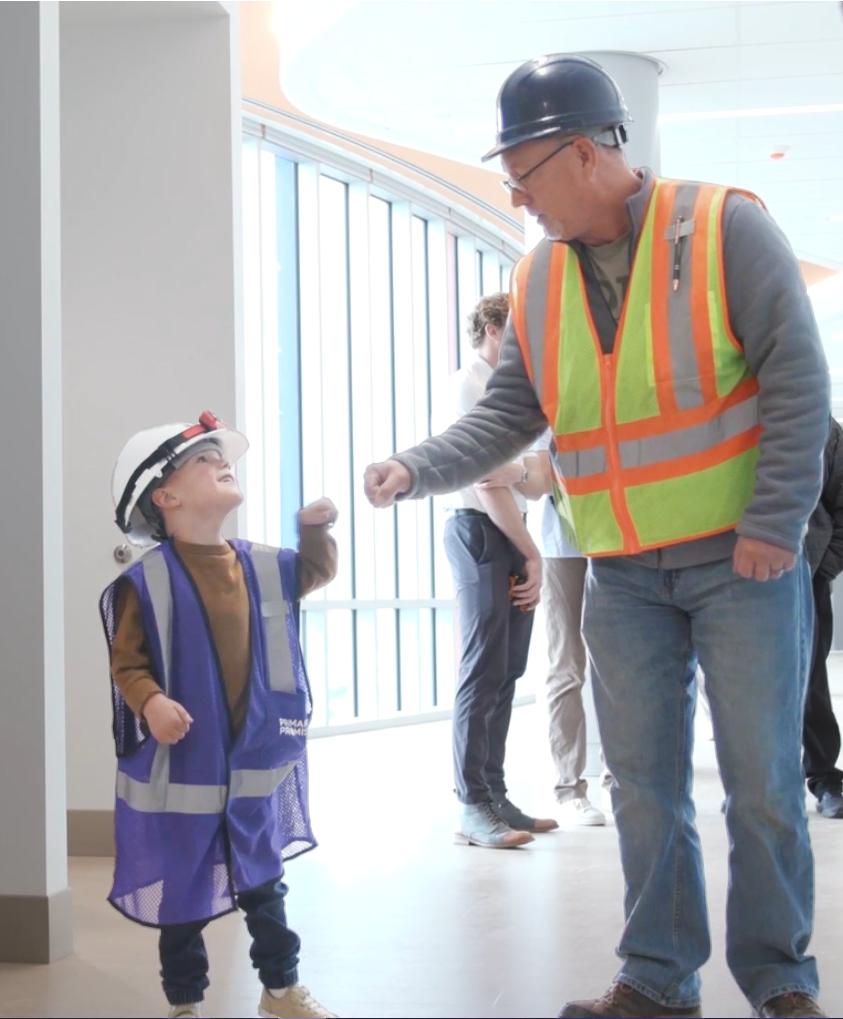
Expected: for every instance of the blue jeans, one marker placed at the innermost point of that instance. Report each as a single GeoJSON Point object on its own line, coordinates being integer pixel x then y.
{"type": "Point", "coordinates": [275, 948]}
{"type": "Point", "coordinates": [753, 641]}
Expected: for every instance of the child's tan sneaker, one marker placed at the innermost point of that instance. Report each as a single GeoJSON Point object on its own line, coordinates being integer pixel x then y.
{"type": "Point", "coordinates": [294, 1002]}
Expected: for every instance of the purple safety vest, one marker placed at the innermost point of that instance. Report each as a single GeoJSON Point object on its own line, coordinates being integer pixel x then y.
{"type": "Point", "coordinates": [212, 815]}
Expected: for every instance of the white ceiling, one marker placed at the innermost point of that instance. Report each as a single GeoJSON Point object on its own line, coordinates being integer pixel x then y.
{"type": "Point", "coordinates": [425, 73]}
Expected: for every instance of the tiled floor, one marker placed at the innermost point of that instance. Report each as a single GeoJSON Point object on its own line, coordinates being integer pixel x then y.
{"type": "Point", "coordinates": [397, 921]}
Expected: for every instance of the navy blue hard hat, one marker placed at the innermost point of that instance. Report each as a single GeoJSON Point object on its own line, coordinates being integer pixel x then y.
{"type": "Point", "coordinates": [557, 93]}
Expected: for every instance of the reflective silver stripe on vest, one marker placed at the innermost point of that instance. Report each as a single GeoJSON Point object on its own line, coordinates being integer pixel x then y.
{"type": "Point", "coordinates": [154, 797]}
{"type": "Point", "coordinates": [157, 578]}
{"type": "Point", "coordinates": [274, 610]}
{"type": "Point", "coordinates": [683, 355]}
{"type": "Point", "coordinates": [535, 311]}
{"type": "Point", "coordinates": [247, 782]}
{"type": "Point", "coordinates": [582, 463]}
{"type": "Point", "coordinates": [687, 441]}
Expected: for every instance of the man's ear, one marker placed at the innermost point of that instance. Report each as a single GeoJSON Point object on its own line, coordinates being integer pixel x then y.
{"type": "Point", "coordinates": [586, 153]}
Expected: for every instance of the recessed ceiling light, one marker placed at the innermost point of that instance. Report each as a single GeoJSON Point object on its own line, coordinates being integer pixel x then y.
{"type": "Point", "coordinates": [758, 111]}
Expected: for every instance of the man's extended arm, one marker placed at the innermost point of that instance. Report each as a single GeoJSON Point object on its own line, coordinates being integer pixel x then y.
{"type": "Point", "coordinates": [504, 422]}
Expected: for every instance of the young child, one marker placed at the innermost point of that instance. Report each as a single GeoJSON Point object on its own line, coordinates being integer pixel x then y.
{"type": "Point", "coordinates": [211, 709]}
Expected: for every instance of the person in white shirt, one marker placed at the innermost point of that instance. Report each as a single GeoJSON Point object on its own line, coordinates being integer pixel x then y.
{"type": "Point", "coordinates": [497, 574]}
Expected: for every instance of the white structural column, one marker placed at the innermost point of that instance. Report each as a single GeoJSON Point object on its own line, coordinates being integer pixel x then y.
{"type": "Point", "coordinates": [150, 133]}
{"type": "Point", "coordinates": [35, 915]}
{"type": "Point", "coordinates": [638, 78]}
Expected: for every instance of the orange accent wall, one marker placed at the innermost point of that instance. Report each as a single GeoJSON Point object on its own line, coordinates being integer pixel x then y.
{"type": "Point", "coordinates": [259, 71]}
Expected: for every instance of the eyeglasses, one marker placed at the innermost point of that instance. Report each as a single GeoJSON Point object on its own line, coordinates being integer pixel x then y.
{"type": "Point", "coordinates": [511, 184]}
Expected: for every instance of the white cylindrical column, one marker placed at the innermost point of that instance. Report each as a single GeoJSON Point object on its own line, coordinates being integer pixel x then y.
{"type": "Point", "coordinates": [637, 77]}
{"type": "Point", "coordinates": [150, 299]}
{"type": "Point", "coordinates": [35, 913]}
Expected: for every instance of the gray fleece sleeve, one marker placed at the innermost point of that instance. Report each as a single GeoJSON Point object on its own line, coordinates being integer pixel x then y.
{"type": "Point", "coordinates": [505, 421]}
{"type": "Point", "coordinates": [772, 317]}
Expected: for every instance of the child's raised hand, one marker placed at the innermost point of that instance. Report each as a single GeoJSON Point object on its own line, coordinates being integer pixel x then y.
{"type": "Point", "coordinates": [167, 719]}
{"type": "Point", "coordinates": [323, 511]}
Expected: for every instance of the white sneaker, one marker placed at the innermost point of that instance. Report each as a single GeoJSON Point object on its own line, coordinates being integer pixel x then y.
{"type": "Point", "coordinates": [579, 813]}
{"type": "Point", "coordinates": [294, 1002]}
{"type": "Point", "coordinates": [188, 1011]}
{"type": "Point", "coordinates": [606, 800]}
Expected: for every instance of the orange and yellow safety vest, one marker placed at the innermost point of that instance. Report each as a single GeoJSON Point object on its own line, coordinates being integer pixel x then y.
{"type": "Point", "coordinates": [656, 442]}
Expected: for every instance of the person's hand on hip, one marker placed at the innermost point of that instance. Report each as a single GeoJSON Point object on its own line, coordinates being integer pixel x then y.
{"type": "Point", "coordinates": [525, 595]}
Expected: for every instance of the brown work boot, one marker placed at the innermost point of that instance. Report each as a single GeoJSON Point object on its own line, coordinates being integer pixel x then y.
{"type": "Point", "coordinates": [622, 1002]}
{"type": "Point", "coordinates": [790, 1006]}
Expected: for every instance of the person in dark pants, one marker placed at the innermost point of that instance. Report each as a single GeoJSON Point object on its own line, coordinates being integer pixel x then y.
{"type": "Point", "coordinates": [824, 550]}
{"type": "Point", "coordinates": [497, 575]}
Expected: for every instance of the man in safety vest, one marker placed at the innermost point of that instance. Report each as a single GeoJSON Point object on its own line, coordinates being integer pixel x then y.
{"type": "Point", "coordinates": [663, 331]}
{"type": "Point", "coordinates": [211, 709]}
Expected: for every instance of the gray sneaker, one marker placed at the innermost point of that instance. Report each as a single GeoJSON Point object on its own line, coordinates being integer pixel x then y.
{"type": "Point", "coordinates": [481, 826]}
{"type": "Point", "coordinates": [517, 819]}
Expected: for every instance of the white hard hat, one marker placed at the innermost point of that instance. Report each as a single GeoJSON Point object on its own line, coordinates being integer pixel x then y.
{"type": "Point", "coordinates": [145, 459]}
